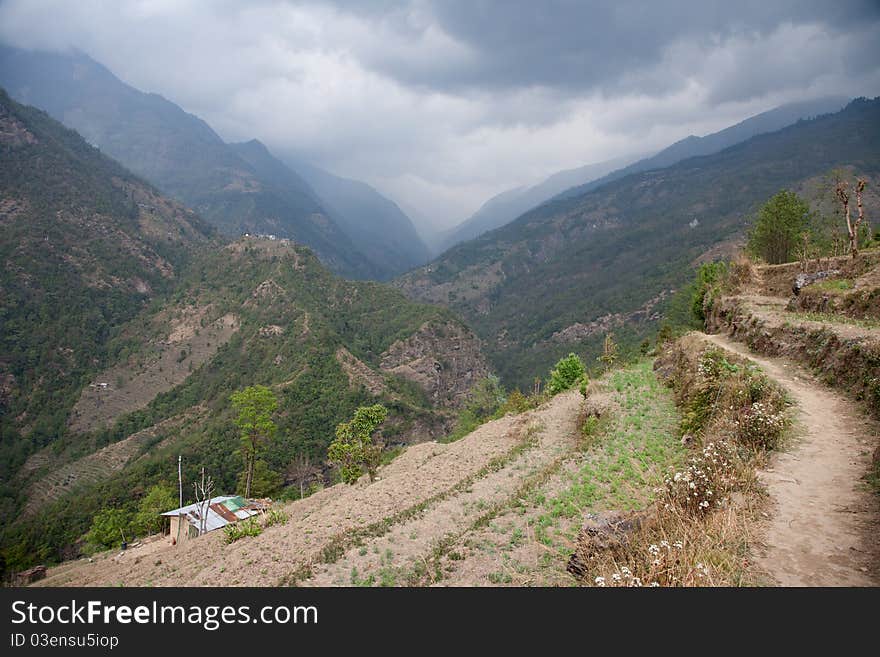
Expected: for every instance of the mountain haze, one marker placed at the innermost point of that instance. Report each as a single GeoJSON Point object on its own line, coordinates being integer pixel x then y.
{"type": "Point", "coordinates": [183, 156]}
{"type": "Point", "coordinates": [769, 121]}
{"type": "Point", "coordinates": [508, 205]}
{"type": "Point", "coordinates": [564, 274]}
{"type": "Point", "coordinates": [382, 231]}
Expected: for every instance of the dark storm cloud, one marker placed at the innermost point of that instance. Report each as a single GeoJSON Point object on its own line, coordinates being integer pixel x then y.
{"type": "Point", "coordinates": [443, 103]}
{"type": "Point", "coordinates": [584, 46]}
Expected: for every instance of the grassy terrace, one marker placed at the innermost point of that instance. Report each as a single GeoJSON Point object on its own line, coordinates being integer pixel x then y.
{"type": "Point", "coordinates": [830, 318]}
{"type": "Point", "coordinates": [626, 457]}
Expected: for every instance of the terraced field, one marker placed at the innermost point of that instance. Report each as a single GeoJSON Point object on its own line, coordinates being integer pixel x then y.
{"type": "Point", "coordinates": [499, 506]}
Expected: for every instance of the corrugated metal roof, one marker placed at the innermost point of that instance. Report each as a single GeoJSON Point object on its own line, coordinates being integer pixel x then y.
{"type": "Point", "coordinates": [222, 510]}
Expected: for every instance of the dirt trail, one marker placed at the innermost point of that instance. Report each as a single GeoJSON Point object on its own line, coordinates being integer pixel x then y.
{"type": "Point", "coordinates": [824, 527]}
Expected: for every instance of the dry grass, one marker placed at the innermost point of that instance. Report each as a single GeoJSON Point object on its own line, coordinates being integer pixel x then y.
{"type": "Point", "coordinates": [699, 531]}
{"type": "Point", "coordinates": [679, 551]}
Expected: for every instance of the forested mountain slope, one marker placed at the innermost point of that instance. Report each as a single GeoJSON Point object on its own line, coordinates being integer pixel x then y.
{"type": "Point", "coordinates": [127, 323]}
{"type": "Point", "coordinates": [561, 276]}
{"type": "Point", "coordinates": [508, 205]}
{"type": "Point", "coordinates": [84, 246]}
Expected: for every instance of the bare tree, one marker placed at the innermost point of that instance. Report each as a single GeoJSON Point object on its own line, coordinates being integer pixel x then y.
{"type": "Point", "coordinates": [204, 491]}
{"type": "Point", "coordinates": [302, 470]}
{"type": "Point", "coordinates": [842, 191]}
{"type": "Point", "coordinates": [860, 187]}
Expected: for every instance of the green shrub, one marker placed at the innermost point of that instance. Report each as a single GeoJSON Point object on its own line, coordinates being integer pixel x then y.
{"type": "Point", "coordinates": [516, 402]}
{"type": "Point", "coordinates": [665, 334]}
{"type": "Point", "coordinates": [591, 426]}
{"type": "Point", "coordinates": [585, 386]}
{"type": "Point", "coordinates": [779, 227]}
{"type": "Point", "coordinates": [275, 517]}
{"type": "Point", "coordinates": [709, 276]}
{"type": "Point", "coordinates": [566, 373]}
{"type": "Point", "coordinates": [237, 530]}
{"type": "Point", "coordinates": [485, 397]}
{"type": "Point", "coordinates": [158, 499]}
{"type": "Point", "coordinates": [108, 528]}
{"type": "Point", "coordinates": [354, 450]}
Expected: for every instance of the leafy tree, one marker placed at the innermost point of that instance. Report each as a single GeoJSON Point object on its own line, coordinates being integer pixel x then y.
{"type": "Point", "coordinates": [264, 483]}
{"type": "Point", "coordinates": [147, 519]}
{"type": "Point", "coordinates": [778, 228]}
{"type": "Point", "coordinates": [354, 449]}
{"type": "Point", "coordinates": [486, 396]}
{"type": "Point", "coordinates": [566, 373]}
{"type": "Point", "coordinates": [108, 528]}
{"type": "Point", "coordinates": [609, 352]}
{"type": "Point", "coordinates": [255, 406]}
{"type": "Point", "coordinates": [708, 276]}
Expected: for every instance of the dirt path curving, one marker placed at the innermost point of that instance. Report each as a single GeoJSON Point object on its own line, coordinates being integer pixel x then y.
{"type": "Point", "coordinates": [825, 524]}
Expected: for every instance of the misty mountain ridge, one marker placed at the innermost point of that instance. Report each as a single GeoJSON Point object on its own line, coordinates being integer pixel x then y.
{"type": "Point", "coordinates": [693, 146]}
{"type": "Point", "coordinates": [186, 159]}
{"type": "Point", "coordinates": [376, 223]}
{"type": "Point", "coordinates": [508, 205]}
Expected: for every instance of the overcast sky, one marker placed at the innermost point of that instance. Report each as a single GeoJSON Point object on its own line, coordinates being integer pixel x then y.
{"type": "Point", "coordinates": [441, 104]}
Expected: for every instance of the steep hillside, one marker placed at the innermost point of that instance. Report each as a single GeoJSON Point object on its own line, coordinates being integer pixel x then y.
{"type": "Point", "coordinates": [694, 146]}
{"type": "Point", "coordinates": [378, 226]}
{"type": "Point", "coordinates": [84, 246]}
{"type": "Point", "coordinates": [179, 153]}
{"type": "Point", "coordinates": [507, 206]}
{"type": "Point", "coordinates": [561, 276]}
{"type": "Point", "coordinates": [258, 311]}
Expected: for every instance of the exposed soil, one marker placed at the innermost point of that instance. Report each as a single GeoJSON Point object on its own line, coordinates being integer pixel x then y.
{"type": "Point", "coordinates": [410, 552]}
{"type": "Point", "coordinates": [825, 521]}
{"type": "Point", "coordinates": [187, 347]}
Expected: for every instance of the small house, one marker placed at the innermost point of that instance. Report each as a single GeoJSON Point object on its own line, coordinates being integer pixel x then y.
{"type": "Point", "coordinates": [221, 511]}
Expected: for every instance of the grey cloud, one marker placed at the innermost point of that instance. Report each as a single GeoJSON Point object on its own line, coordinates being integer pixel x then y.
{"type": "Point", "coordinates": [447, 102]}
{"type": "Point", "coordinates": [581, 46]}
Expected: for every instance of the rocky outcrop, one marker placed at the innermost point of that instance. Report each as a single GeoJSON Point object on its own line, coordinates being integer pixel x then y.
{"type": "Point", "coordinates": [608, 530]}
{"type": "Point", "coordinates": [358, 373]}
{"type": "Point", "coordinates": [803, 280]}
{"type": "Point", "coordinates": [443, 358]}
{"type": "Point", "coordinates": [606, 323]}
